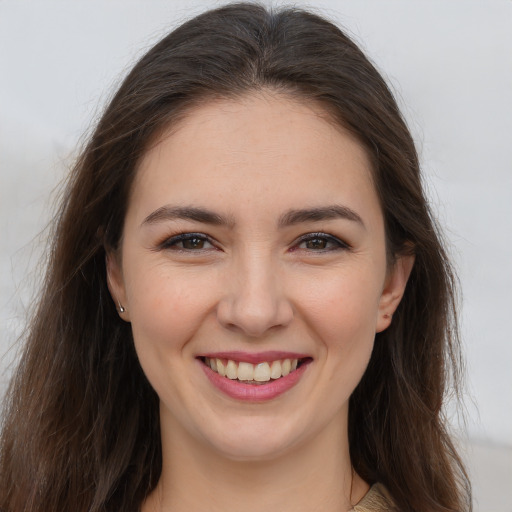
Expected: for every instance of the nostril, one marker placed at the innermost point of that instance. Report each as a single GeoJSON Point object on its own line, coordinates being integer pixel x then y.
{"type": "Point", "coordinates": [253, 308]}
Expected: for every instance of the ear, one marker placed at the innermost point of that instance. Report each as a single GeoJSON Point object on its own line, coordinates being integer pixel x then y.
{"type": "Point", "coordinates": [394, 289]}
{"type": "Point", "coordinates": [115, 283]}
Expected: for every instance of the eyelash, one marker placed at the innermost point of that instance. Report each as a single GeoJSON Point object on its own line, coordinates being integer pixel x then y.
{"type": "Point", "coordinates": [338, 244]}
{"type": "Point", "coordinates": [172, 242]}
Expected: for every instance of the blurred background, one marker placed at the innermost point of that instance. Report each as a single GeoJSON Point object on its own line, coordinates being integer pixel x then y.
{"type": "Point", "coordinates": [449, 63]}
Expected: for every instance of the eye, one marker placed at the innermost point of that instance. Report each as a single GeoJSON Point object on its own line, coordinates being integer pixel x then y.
{"type": "Point", "coordinates": [188, 242]}
{"type": "Point", "coordinates": [320, 242]}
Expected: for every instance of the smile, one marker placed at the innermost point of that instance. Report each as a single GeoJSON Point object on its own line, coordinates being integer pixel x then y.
{"type": "Point", "coordinates": [252, 373]}
{"type": "Point", "coordinates": [264, 378]}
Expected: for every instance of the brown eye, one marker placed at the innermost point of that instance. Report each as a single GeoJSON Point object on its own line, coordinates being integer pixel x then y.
{"type": "Point", "coordinates": [316, 243]}
{"type": "Point", "coordinates": [188, 242]}
{"type": "Point", "coordinates": [193, 243]}
{"type": "Point", "coordinates": [321, 242]}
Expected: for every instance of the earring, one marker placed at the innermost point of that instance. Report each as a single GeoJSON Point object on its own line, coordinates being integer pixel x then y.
{"type": "Point", "coordinates": [121, 309]}
{"type": "Point", "coordinates": [387, 316]}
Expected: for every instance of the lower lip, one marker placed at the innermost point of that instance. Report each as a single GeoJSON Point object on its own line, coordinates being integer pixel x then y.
{"type": "Point", "coordinates": [254, 392]}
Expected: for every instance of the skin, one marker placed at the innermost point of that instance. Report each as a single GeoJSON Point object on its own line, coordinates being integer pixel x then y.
{"type": "Point", "coordinates": [255, 286]}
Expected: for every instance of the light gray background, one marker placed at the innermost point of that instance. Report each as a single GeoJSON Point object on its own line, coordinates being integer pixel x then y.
{"type": "Point", "coordinates": [450, 64]}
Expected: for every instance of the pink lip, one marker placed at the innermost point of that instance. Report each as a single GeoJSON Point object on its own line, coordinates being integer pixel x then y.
{"type": "Point", "coordinates": [254, 392]}
{"type": "Point", "coordinates": [254, 358]}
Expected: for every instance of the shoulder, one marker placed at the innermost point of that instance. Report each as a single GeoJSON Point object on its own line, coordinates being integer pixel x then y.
{"type": "Point", "coordinates": [377, 499]}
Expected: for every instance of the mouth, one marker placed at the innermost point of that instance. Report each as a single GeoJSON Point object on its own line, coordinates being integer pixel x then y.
{"type": "Point", "coordinates": [265, 378]}
{"type": "Point", "coordinates": [253, 374]}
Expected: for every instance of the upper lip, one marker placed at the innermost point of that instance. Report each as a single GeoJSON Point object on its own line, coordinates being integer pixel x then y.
{"type": "Point", "coordinates": [254, 357]}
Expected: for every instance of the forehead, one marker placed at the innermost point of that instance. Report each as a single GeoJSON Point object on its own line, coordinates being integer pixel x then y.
{"type": "Point", "coordinates": [226, 150]}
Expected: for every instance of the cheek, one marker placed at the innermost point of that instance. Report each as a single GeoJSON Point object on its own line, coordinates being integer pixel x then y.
{"type": "Point", "coordinates": [342, 311]}
{"type": "Point", "coordinates": [343, 302]}
{"type": "Point", "coordinates": [167, 308]}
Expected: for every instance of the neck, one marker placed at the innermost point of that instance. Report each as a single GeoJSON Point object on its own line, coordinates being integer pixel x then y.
{"type": "Point", "coordinates": [315, 476]}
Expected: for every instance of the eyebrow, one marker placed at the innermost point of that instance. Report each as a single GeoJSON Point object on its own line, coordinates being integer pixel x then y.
{"type": "Point", "coordinates": [187, 213]}
{"type": "Point", "coordinates": [290, 218]}
{"type": "Point", "coordinates": [318, 214]}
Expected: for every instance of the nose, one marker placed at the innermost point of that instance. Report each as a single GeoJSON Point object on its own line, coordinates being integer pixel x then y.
{"type": "Point", "coordinates": [254, 302]}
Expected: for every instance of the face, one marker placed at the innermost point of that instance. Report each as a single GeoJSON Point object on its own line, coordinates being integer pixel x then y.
{"type": "Point", "coordinates": [253, 271]}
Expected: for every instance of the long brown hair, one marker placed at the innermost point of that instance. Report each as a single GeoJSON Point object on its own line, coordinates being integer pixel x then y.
{"type": "Point", "coordinates": [81, 423]}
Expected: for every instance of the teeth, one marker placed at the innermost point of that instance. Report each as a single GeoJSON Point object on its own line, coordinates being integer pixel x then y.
{"type": "Point", "coordinates": [262, 372]}
{"type": "Point", "coordinates": [275, 370]}
{"type": "Point", "coordinates": [221, 369]}
{"type": "Point", "coordinates": [286, 367]}
{"type": "Point", "coordinates": [243, 371]}
{"type": "Point", "coordinates": [231, 370]}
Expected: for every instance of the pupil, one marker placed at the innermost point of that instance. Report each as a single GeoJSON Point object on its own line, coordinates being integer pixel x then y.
{"type": "Point", "coordinates": [316, 243]}
{"type": "Point", "coordinates": [193, 243]}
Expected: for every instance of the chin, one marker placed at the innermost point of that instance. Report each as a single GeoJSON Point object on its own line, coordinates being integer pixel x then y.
{"type": "Point", "coordinates": [253, 440]}
{"type": "Point", "coordinates": [251, 449]}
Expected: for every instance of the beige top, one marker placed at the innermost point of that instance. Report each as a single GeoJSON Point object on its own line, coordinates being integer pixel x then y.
{"type": "Point", "coordinates": [377, 499]}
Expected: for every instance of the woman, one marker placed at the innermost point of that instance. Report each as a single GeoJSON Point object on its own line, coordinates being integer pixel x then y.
{"type": "Point", "coordinates": [247, 301]}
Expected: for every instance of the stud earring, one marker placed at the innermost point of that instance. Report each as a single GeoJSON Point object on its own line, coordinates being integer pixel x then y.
{"type": "Point", "coordinates": [387, 316]}
{"type": "Point", "coordinates": [121, 309]}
